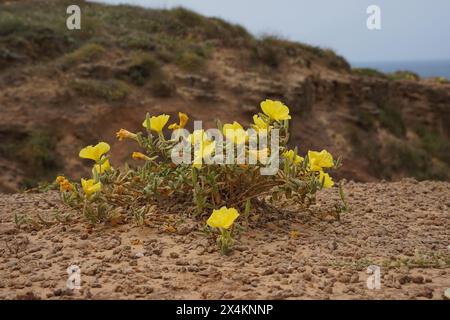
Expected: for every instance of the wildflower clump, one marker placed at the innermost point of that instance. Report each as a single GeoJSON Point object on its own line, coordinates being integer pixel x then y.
{"type": "Point", "coordinates": [220, 171]}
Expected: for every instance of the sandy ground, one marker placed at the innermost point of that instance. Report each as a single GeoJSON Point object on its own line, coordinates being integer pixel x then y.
{"type": "Point", "coordinates": [403, 227]}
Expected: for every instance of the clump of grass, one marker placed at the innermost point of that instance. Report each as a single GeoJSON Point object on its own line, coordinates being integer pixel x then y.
{"type": "Point", "coordinates": [34, 151]}
{"type": "Point", "coordinates": [162, 88]}
{"type": "Point", "coordinates": [143, 67]}
{"type": "Point", "coordinates": [110, 90]}
{"type": "Point", "coordinates": [365, 119]}
{"type": "Point", "coordinates": [392, 119]}
{"type": "Point", "coordinates": [369, 72]}
{"type": "Point", "coordinates": [87, 53]}
{"type": "Point", "coordinates": [191, 61]}
{"type": "Point", "coordinates": [10, 23]}
{"type": "Point", "coordinates": [435, 144]}
{"type": "Point", "coordinates": [267, 51]}
{"type": "Point", "coordinates": [335, 61]}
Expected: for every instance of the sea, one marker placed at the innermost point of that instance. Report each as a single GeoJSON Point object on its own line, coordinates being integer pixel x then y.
{"type": "Point", "coordinates": [425, 69]}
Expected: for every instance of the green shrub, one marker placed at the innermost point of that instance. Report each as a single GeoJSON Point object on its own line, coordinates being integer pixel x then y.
{"type": "Point", "coordinates": [110, 90]}
{"type": "Point", "coordinates": [365, 119]}
{"type": "Point", "coordinates": [435, 144]}
{"type": "Point", "coordinates": [392, 120]}
{"type": "Point", "coordinates": [34, 152]}
{"type": "Point", "coordinates": [10, 24]}
{"type": "Point", "coordinates": [162, 88]}
{"type": "Point", "coordinates": [87, 53]}
{"type": "Point", "coordinates": [142, 68]}
{"type": "Point", "coordinates": [267, 51]}
{"type": "Point", "coordinates": [369, 72]}
{"type": "Point", "coordinates": [191, 61]}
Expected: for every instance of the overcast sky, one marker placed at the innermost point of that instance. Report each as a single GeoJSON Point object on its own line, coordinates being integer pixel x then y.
{"type": "Point", "coordinates": [410, 29]}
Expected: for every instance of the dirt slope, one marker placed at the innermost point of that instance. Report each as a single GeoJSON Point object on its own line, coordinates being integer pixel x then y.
{"type": "Point", "coordinates": [403, 227]}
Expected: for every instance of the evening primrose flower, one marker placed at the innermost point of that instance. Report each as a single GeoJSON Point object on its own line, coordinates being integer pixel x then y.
{"type": "Point", "coordinates": [157, 123]}
{"type": "Point", "coordinates": [140, 156]}
{"type": "Point", "coordinates": [319, 160]}
{"type": "Point", "coordinates": [259, 124]}
{"type": "Point", "coordinates": [276, 110]}
{"type": "Point", "coordinates": [222, 218]}
{"type": "Point", "coordinates": [125, 134]}
{"type": "Point", "coordinates": [235, 132]}
{"type": "Point", "coordinates": [94, 152]}
{"type": "Point", "coordinates": [292, 157]}
{"type": "Point", "coordinates": [102, 168]}
{"type": "Point", "coordinates": [60, 179]}
{"type": "Point", "coordinates": [183, 120]}
{"type": "Point", "coordinates": [64, 184]}
{"type": "Point", "coordinates": [90, 186]}
{"type": "Point", "coordinates": [325, 179]}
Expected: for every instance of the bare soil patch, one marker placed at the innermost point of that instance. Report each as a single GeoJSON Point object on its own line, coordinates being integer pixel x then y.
{"type": "Point", "coordinates": [403, 227]}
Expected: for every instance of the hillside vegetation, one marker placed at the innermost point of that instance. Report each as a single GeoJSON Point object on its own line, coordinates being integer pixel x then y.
{"type": "Point", "coordinates": [62, 89]}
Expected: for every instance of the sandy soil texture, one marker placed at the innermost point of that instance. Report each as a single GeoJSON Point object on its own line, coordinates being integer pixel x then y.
{"type": "Point", "coordinates": [403, 227]}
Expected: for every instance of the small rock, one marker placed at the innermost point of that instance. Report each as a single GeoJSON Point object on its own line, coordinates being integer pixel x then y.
{"type": "Point", "coordinates": [332, 245]}
{"type": "Point", "coordinates": [425, 292]}
{"type": "Point", "coordinates": [174, 255]}
{"type": "Point", "coordinates": [418, 279]}
{"type": "Point", "coordinates": [447, 293]}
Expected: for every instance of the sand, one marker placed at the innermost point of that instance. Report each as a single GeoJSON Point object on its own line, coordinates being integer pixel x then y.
{"type": "Point", "coordinates": [402, 227]}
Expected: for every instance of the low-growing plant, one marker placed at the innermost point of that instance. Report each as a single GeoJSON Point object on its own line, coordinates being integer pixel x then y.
{"type": "Point", "coordinates": [188, 171]}
{"type": "Point", "coordinates": [110, 90]}
{"type": "Point", "coordinates": [86, 53]}
{"type": "Point", "coordinates": [369, 72]}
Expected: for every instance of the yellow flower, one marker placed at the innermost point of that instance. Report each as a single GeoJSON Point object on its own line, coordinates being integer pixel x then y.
{"type": "Point", "coordinates": [140, 156]}
{"type": "Point", "coordinates": [235, 132]}
{"type": "Point", "coordinates": [319, 160]}
{"type": "Point", "coordinates": [60, 179]}
{"type": "Point", "coordinates": [64, 184]}
{"type": "Point", "coordinates": [290, 156]}
{"type": "Point", "coordinates": [276, 110]}
{"type": "Point", "coordinates": [183, 120]}
{"type": "Point", "coordinates": [259, 123]}
{"type": "Point", "coordinates": [94, 152]}
{"type": "Point", "coordinates": [325, 179]}
{"type": "Point", "coordinates": [222, 218]}
{"type": "Point", "coordinates": [90, 186]}
{"type": "Point", "coordinates": [157, 123]}
{"type": "Point", "coordinates": [101, 168]}
{"type": "Point", "coordinates": [125, 134]}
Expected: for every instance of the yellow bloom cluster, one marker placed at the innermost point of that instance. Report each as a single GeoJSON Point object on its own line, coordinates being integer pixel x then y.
{"type": "Point", "coordinates": [102, 165]}
{"type": "Point", "coordinates": [217, 186]}
{"type": "Point", "coordinates": [317, 162]}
